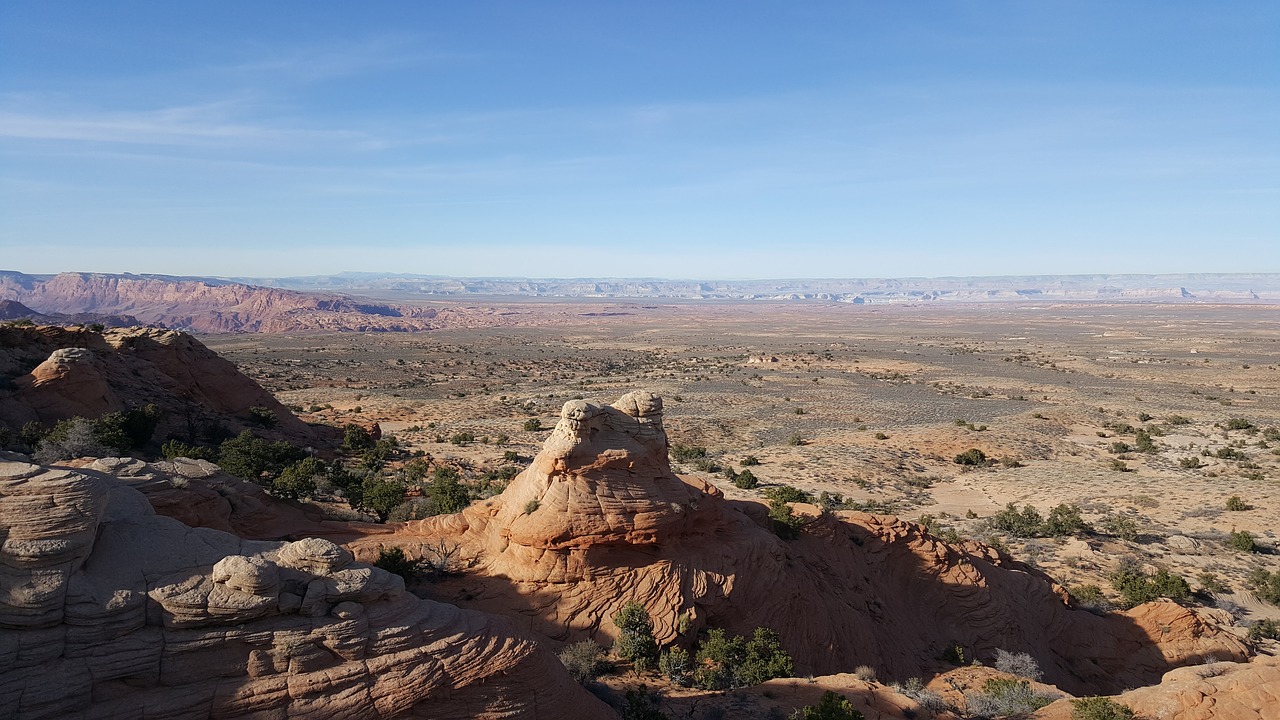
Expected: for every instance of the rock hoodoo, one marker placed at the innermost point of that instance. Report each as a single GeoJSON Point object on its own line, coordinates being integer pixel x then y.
{"type": "Point", "coordinates": [108, 610]}
{"type": "Point", "coordinates": [599, 519]}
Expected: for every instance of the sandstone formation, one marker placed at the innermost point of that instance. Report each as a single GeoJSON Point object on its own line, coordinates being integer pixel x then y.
{"type": "Point", "coordinates": [1213, 691]}
{"type": "Point", "coordinates": [199, 495]}
{"type": "Point", "coordinates": [53, 373]}
{"type": "Point", "coordinates": [109, 611]}
{"type": "Point", "coordinates": [599, 519]}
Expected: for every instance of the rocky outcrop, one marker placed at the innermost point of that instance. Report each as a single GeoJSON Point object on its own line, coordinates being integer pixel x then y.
{"type": "Point", "coordinates": [199, 495]}
{"type": "Point", "coordinates": [599, 519]}
{"type": "Point", "coordinates": [1217, 690]}
{"type": "Point", "coordinates": [53, 373]}
{"type": "Point", "coordinates": [109, 611]}
{"type": "Point", "coordinates": [13, 310]}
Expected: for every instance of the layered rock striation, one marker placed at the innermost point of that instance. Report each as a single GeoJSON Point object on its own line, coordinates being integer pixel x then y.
{"type": "Point", "coordinates": [110, 611]}
{"type": "Point", "coordinates": [52, 373]}
{"type": "Point", "coordinates": [599, 519]}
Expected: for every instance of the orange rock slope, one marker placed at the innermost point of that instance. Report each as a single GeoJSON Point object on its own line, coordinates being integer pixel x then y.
{"type": "Point", "coordinates": [110, 611]}
{"type": "Point", "coordinates": [599, 519]}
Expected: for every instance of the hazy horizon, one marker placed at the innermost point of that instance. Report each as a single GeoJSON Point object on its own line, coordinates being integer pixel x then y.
{"type": "Point", "coordinates": [567, 140]}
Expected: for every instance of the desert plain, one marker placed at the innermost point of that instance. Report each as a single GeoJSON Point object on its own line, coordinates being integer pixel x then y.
{"type": "Point", "coordinates": [867, 407]}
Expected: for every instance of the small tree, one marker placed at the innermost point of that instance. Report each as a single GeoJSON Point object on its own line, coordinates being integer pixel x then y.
{"type": "Point", "coordinates": [446, 494]}
{"type": "Point", "coordinates": [262, 416]}
{"type": "Point", "coordinates": [394, 561]}
{"type": "Point", "coordinates": [532, 425]}
{"type": "Point", "coordinates": [731, 662]}
{"type": "Point", "coordinates": [356, 439]}
{"type": "Point", "coordinates": [635, 639]}
{"type": "Point", "coordinates": [299, 479]}
{"type": "Point", "coordinates": [380, 496]}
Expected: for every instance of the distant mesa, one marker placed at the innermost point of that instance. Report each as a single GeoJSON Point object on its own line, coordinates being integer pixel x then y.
{"type": "Point", "coordinates": [370, 302]}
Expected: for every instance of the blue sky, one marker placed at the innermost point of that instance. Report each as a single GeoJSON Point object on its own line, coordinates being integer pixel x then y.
{"type": "Point", "coordinates": [672, 139]}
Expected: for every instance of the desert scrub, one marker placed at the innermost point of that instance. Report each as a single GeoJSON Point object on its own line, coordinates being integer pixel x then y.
{"type": "Point", "coordinates": [677, 664]}
{"type": "Point", "coordinates": [1089, 597]}
{"type": "Point", "coordinates": [786, 524]}
{"type": "Point", "coordinates": [749, 461]}
{"type": "Point", "coordinates": [831, 706]}
{"type": "Point", "coordinates": [584, 661]}
{"type": "Point", "coordinates": [1020, 664]}
{"type": "Point", "coordinates": [786, 493]}
{"type": "Point", "coordinates": [1121, 526]}
{"type": "Point", "coordinates": [1242, 540]}
{"type": "Point", "coordinates": [1099, 708]}
{"type": "Point", "coordinates": [973, 457]}
{"type": "Point", "coordinates": [1264, 630]}
{"type": "Point", "coordinates": [532, 425]}
{"type": "Point", "coordinates": [1264, 584]}
{"type": "Point", "coordinates": [1137, 587]}
{"type": "Point", "coordinates": [1190, 463]}
{"type": "Point", "coordinates": [1236, 504]}
{"type": "Point", "coordinates": [1210, 583]}
{"type": "Point", "coordinates": [745, 480]}
{"type": "Point", "coordinates": [531, 507]}
{"type": "Point", "coordinates": [687, 453]}
{"type": "Point", "coordinates": [914, 688]}
{"type": "Point", "coordinates": [1005, 697]}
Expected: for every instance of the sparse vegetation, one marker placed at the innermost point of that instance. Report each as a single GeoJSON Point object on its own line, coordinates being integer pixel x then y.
{"type": "Point", "coordinates": [677, 664]}
{"type": "Point", "coordinates": [584, 661]}
{"type": "Point", "coordinates": [1020, 664]}
{"type": "Point", "coordinates": [1236, 504]}
{"type": "Point", "coordinates": [1006, 697]}
{"type": "Point", "coordinates": [725, 661]}
{"type": "Point", "coordinates": [1242, 540]}
{"type": "Point", "coordinates": [687, 453]}
{"type": "Point", "coordinates": [1063, 520]}
{"type": "Point", "coordinates": [1264, 630]}
{"type": "Point", "coordinates": [394, 561]}
{"type": "Point", "coordinates": [972, 457]}
{"type": "Point", "coordinates": [744, 479]}
{"type": "Point", "coordinates": [1099, 708]}
{"type": "Point", "coordinates": [831, 706]}
{"type": "Point", "coordinates": [1265, 584]}
{"type": "Point", "coordinates": [1137, 587]}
